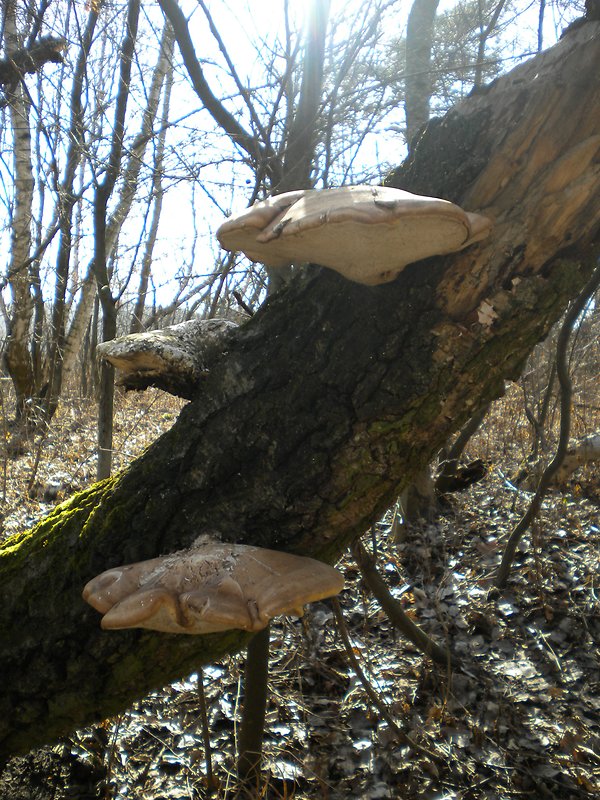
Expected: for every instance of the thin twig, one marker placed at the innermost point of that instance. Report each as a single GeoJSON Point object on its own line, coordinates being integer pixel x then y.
{"type": "Point", "coordinates": [375, 699]}
{"type": "Point", "coordinates": [394, 611]}
{"type": "Point", "coordinates": [564, 380]}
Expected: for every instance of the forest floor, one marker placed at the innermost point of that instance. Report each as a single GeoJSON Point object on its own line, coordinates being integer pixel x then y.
{"type": "Point", "coordinates": [519, 716]}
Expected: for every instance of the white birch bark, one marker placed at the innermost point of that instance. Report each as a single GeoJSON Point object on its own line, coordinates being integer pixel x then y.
{"type": "Point", "coordinates": [17, 355]}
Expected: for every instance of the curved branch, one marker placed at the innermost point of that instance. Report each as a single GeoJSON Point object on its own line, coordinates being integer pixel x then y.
{"type": "Point", "coordinates": [564, 380]}
{"type": "Point", "coordinates": [394, 610]}
{"type": "Point", "coordinates": [213, 105]}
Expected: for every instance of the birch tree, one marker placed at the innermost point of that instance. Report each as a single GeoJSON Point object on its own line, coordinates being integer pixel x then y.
{"type": "Point", "coordinates": [17, 354]}
{"type": "Point", "coordinates": [51, 185]}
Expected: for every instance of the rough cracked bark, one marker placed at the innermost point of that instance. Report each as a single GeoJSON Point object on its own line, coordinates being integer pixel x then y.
{"type": "Point", "coordinates": [173, 358]}
{"type": "Point", "coordinates": [320, 408]}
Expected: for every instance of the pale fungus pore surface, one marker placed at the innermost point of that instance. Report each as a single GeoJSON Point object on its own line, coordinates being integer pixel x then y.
{"type": "Point", "coordinates": [210, 588]}
{"type": "Point", "coordinates": [366, 233]}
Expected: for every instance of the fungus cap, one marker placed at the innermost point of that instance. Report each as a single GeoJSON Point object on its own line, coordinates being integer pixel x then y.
{"type": "Point", "coordinates": [213, 587]}
{"type": "Point", "coordinates": [366, 233]}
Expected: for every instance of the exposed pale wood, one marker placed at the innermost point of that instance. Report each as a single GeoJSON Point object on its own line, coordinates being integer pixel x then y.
{"type": "Point", "coordinates": [580, 453]}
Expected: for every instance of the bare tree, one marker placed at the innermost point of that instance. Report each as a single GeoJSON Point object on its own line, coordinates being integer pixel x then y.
{"type": "Point", "coordinates": [127, 195]}
{"type": "Point", "coordinates": [103, 192]}
{"type": "Point", "coordinates": [67, 199]}
{"type": "Point", "coordinates": [157, 191]}
{"type": "Point", "coordinates": [418, 80]}
{"type": "Point", "coordinates": [53, 202]}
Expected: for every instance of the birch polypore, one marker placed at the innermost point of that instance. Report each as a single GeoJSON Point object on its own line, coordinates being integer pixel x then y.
{"type": "Point", "coordinates": [209, 588]}
{"type": "Point", "coordinates": [366, 233]}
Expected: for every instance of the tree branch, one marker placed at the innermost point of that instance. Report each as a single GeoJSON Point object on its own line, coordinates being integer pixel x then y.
{"type": "Point", "coordinates": [564, 380]}
{"type": "Point", "coordinates": [28, 60]}
{"type": "Point", "coordinates": [226, 120]}
{"type": "Point", "coordinates": [394, 610]}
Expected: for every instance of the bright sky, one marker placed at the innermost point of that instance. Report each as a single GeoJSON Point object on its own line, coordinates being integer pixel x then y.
{"type": "Point", "coordinates": [241, 25]}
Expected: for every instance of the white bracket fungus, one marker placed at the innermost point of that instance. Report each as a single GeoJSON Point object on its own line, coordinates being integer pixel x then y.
{"type": "Point", "coordinates": [209, 588]}
{"type": "Point", "coordinates": [366, 233]}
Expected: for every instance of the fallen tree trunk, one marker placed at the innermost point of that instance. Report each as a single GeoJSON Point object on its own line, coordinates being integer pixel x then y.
{"type": "Point", "coordinates": [580, 453]}
{"type": "Point", "coordinates": [315, 414]}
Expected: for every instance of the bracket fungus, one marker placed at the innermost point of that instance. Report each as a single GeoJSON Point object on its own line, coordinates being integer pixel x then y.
{"type": "Point", "coordinates": [366, 233]}
{"type": "Point", "coordinates": [209, 588]}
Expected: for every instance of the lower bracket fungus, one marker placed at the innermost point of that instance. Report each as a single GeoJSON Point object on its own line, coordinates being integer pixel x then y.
{"type": "Point", "coordinates": [209, 588]}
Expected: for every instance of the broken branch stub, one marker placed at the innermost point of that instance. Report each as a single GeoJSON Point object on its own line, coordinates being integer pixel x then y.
{"type": "Point", "coordinates": [209, 588]}
{"type": "Point", "coordinates": [172, 358]}
{"type": "Point", "coordinates": [366, 233]}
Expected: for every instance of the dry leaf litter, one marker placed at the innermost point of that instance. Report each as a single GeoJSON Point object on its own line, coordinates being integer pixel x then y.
{"type": "Point", "coordinates": [519, 717]}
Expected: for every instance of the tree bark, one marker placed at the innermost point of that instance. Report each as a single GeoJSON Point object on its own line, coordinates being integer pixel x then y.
{"type": "Point", "coordinates": [66, 206]}
{"type": "Point", "coordinates": [101, 272]}
{"type": "Point", "coordinates": [17, 356]}
{"type": "Point", "coordinates": [301, 129]}
{"type": "Point", "coordinates": [137, 318]}
{"type": "Point", "coordinates": [299, 156]}
{"type": "Point", "coordinates": [418, 80]}
{"type": "Point", "coordinates": [326, 402]}
{"type": "Point", "coordinates": [484, 35]}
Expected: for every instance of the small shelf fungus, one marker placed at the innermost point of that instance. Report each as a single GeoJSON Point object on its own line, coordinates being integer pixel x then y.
{"type": "Point", "coordinates": [366, 233]}
{"type": "Point", "coordinates": [209, 588]}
